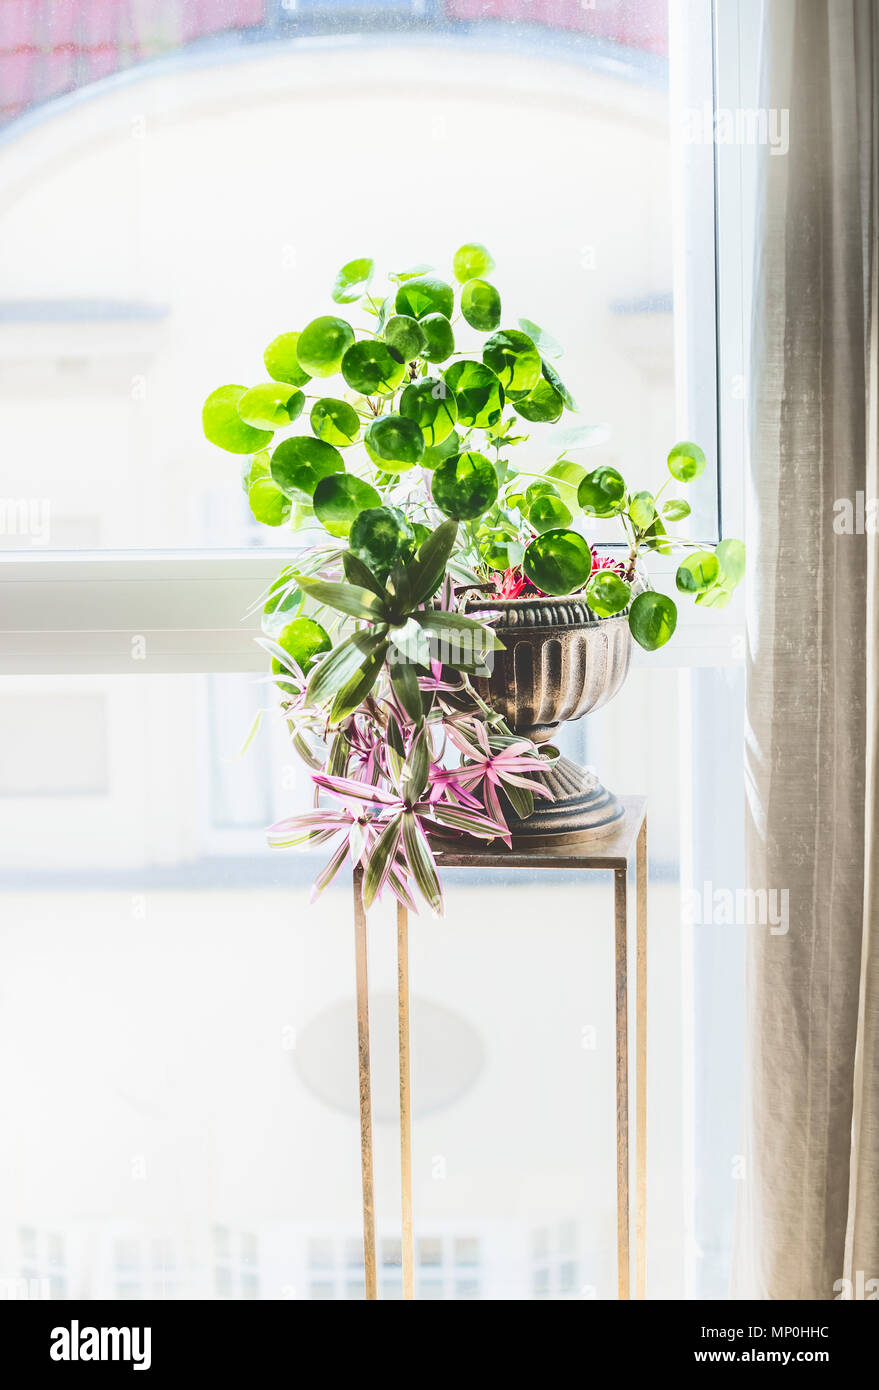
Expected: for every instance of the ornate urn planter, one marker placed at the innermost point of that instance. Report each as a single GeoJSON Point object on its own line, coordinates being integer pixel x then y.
{"type": "Point", "coordinates": [559, 662]}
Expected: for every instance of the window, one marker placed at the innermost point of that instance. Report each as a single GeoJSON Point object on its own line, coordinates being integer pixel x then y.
{"type": "Point", "coordinates": [131, 849]}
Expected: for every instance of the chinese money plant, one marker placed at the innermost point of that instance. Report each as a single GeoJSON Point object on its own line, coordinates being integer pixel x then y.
{"type": "Point", "coordinates": [395, 466]}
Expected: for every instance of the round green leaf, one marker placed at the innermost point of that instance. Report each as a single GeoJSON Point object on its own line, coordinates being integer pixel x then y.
{"type": "Point", "coordinates": [471, 261]}
{"type": "Point", "coordinates": [403, 334]}
{"type": "Point", "coordinates": [551, 375]}
{"type": "Point", "coordinates": [322, 345]}
{"type": "Point", "coordinates": [371, 368]}
{"type": "Point", "coordinates": [602, 492]}
{"type": "Point", "coordinates": [697, 572]}
{"type": "Point", "coordinates": [652, 619]}
{"type": "Point", "coordinates": [352, 280]}
{"type": "Point", "coordinates": [394, 443]}
{"type": "Point", "coordinates": [607, 593]}
{"type": "Point", "coordinates": [282, 360]}
{"type": "Point", "coordinates": [675, 509]}
{"type": "Point", "coordinates": [731, 556]}
{"type": "Point", "coordinates": [379, 537]}
{"type": "Point", "coordinates": [336, 422]}
{"type": "Point", "coordinates": [513, 358]}
{"type": "Point", "coordinates": [259, 466]}
{"type": "Point", "coordinates": [338, 500]}
{"type": "Point", "coordinates": [543, 405]}
{"type": "Point", "coordinates": [464, 486]}
{"type": "Point", "coordinates": [271, 405]}
{"type": "Point", "coordinates": [642, 509]}
{"type": "Point", "coordinates": [435, 453]}
{"type": "Point", "coordinates": [544, 488]}
{"type": "Point", "coordinates": [478, 393]}
{"type": "Point", "coordinates": [686, 462]}
{"type": "Point", "coordinates": [548, 514]}
{"type": "Point", "coordinates": [268, 503]}
{"type": "Point", "coordinates": [424, 294]}
{"type": "Point", "coordinates": [558, 562]}
{"type": "Point", "coordinates": [303, 639]}
{"type": "Point", "coordinates": [224, 427]}
{"type": "Point", "coordinates": [439, 340]}
{"type": "Point", "coordinates": [299, 464]}
{"type": "Point", "coordinates": [481, 305]}
{"type": "Point", "coordinates": [432, 406]}
{"type": "Point", "coordinates": [567, 477]}
{"type": "Point", "coordinates": [546, 344]}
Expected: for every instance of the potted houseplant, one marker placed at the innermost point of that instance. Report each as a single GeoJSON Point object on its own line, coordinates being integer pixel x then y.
{"type": "Point", "coordinates": [443, 612]}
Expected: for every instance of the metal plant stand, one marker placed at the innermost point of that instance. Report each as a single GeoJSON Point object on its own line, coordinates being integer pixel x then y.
{"type": "Point", "coordinates": [613, 851]}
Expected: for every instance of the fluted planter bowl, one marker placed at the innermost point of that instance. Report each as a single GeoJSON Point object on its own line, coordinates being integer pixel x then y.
{"type": "Point", "coordinates": [560, 661]}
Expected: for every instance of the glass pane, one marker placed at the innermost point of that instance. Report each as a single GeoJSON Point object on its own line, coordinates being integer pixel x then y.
{"type": "Point", "coordinates": [152, 947]}
{"type": "Point", "coordinates": [210, 192]}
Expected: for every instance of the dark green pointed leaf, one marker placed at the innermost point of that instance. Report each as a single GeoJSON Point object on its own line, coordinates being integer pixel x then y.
{"type": "Point", "coordinates": [421, 862]}
{"type": "Point", "coordinates": [405, 683]}
{"type": "Point", "coordinates": [358, 573]}
{"type": "Point", "coordinates": [381, 856]}
{"type": "Point", "coordinates": [355, 691]}
{"type": "Point", "coordinates": [346, 598]}
{"type": "Point", "coordinates": [423, 575]}
{"type": "Point", "coordinates": [337, 668]}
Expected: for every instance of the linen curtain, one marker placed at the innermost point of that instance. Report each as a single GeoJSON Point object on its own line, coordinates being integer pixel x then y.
{"type": "Point", "coordinates": [808, 1215]}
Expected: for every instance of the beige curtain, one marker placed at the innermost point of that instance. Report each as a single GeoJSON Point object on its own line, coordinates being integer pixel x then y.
{"type": "Point", "coordinates": [809, 1205]}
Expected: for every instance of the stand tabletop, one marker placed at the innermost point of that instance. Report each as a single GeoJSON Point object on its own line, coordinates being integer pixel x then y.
{"type": "Point", "coordinates": [613, 851]}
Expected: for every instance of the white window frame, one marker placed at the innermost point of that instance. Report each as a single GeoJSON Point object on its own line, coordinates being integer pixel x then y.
{"type": "Point", "coordinates": [186, 611]}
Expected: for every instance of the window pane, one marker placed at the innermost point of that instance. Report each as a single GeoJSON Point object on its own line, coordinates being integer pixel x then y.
{"type": "Point", "coordinates": [209, 201]}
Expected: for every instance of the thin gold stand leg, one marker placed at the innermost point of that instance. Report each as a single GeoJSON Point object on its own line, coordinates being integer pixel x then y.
{"type": "Point", "coordinates": [641, 1070]}
{"type": "Point", "coordinates": [405, 1103]}
{"type": "Point", "coordinates": [369, 1265]}
{"type": "Point", "coordinates": [622, 1042]}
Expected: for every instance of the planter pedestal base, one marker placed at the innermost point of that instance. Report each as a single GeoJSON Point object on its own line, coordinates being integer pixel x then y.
{"type": "Point", "coordinates": [581, 809]}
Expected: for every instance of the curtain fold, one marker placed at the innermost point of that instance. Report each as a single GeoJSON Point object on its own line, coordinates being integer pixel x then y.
{"type": "Point", "coordinates": [808, 1215]}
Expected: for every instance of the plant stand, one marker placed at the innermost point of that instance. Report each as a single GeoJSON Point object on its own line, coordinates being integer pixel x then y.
{"type": "Point", "coordinates": [614, 852]}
